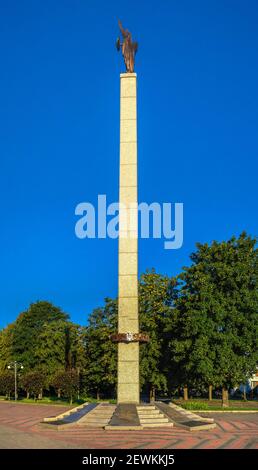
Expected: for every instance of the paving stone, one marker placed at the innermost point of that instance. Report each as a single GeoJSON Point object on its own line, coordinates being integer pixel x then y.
{"type": "Point", "coordinates": [19, 428]}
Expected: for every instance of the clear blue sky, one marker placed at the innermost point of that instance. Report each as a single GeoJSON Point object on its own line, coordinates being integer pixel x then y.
{"type": "Point", "coordinates": [59, 135]}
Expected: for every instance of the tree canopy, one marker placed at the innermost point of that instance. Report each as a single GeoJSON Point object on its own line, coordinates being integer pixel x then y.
{"type": "Point", "coordinates": [215, 335]}
{"type": "Point", "coordinates": [203, 328]}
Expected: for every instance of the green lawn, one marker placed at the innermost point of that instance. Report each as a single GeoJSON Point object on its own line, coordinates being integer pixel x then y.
{"type": "Point", "coordinates": [54, 401]}
{"type": "Point", "coordinates": [44, 401]}
{"type": "Point", "coordinates": [215, 405]}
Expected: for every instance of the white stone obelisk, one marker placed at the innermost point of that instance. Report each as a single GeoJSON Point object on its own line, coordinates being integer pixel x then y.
{"type": "Point", "coordinates": [128, 322]}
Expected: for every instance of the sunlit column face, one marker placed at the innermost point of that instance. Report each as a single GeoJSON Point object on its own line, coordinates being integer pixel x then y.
{"type": "Point", "coordinates": [128, 353]}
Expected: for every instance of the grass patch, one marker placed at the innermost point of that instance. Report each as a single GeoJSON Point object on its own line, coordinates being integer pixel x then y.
{"type": "Point", "coordinates": [44, 401]}
{"type": "Point", "coordinates": [56, 401]}
{"type": "Point", "coordinates": [48, 401]}
{"type": "Point", "coordinates": [230, 408]}
{"type": "Point", "coordinates": [193, 405]}
{"type": "Point", "coordinates": [215, 405]}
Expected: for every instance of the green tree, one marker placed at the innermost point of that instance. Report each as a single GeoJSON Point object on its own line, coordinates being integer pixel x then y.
{"type": "Point", "coordinates": [78, 357]}
{"type": "Point", "coordinates": [6, 341]}
{"type": "Point", "coordinates": [33, 383]}
{"type": "Point", "coordinates": [6, 384]}
{"type": "Point", "coordinates": [28, 328]}
{"type": "Point", "coordinates": [67, 383]}
{"type": "Point", "coordinates": [215, 333]}
{"type": "Point", "coordinates": [43, 338]}
{"type": "Point", "coordinates": [156, 318]}
{"type": "Point", "coordinates": [101, 354]}
{"type": "Point", "coordinates": [51, 347]}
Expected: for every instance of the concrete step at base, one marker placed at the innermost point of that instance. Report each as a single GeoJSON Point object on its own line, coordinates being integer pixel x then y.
{"type": "Point", "coordinates": [99, 421]}
{"type": "Point", "coordinates": [107, 407]}
{"type": "Point", "coordinates": [96, 423]}
{"type": "Point", "coordinates": [98, 417]}
{"type": "Point", "coordinates": [101, 412]}
{"type": "Point", "coordinates": [155, 425]}
{"type": "Point", "coordinates": [65, 414]}
{"type": "Point", "coordinates": [146, 407]}
{"type": "Point", "coordinates": [154, 420]}
{"type": "Point", "coordinates": [149, 415]}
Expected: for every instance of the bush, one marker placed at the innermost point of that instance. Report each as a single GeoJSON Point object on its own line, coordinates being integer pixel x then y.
{"type": "Point", "coordinates": [6, 383]}
{"type": "Point", "coordinates": [66, 384]}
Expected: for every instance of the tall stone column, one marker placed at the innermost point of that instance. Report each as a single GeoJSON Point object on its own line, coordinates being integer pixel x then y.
{"type": "Point", "coordinates": [128, 322]}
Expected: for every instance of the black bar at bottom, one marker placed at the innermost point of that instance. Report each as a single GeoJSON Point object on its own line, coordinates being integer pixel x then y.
{"type": "Point", "coordinates": [120, 458]}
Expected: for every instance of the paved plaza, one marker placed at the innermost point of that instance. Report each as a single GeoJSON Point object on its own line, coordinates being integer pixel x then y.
{"type": "Point", "coordinates": [20, 428]}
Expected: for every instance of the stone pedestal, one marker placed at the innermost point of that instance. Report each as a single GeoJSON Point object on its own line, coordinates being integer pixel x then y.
{"type": "Point", "coordinates": [128, 352]}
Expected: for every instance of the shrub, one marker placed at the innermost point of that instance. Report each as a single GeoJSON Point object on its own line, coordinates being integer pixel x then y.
{"type": "Point", "coordinates": [66, 383]}
{"type": "Point", "coordinates": [33, 383]}
{"type": "Point", "coordinates": [6, 384]}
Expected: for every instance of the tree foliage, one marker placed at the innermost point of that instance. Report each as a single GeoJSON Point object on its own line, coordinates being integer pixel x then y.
{"type": "Point", "coordinates": [156, 317]}
{"type": "Point", "coordinates": [33, 382]}
{"type": "Point", "coordinates": [52, 348]}
{"type": "Point", "coordinates": [216, 330]}
{"type": "Point", "coordinates": [203, 328]}
{"type": "Point", "coordinates": [6, 383]}
{"type": "Point", "coordinates": [101, 354]}
{"type": "Point", "coordinates": [28, 329]}
{"type": "Point", "coordinates": [6, 350]}
{"type": "Point", "coordinates": [67, 382]}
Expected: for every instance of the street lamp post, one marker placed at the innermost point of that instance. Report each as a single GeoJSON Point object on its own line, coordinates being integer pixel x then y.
{"type": "Point", "coordinates": [15, 365]}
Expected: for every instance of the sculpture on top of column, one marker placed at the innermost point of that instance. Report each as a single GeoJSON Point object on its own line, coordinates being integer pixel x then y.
{"type": "Point", "coordinates": [129, 48]}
